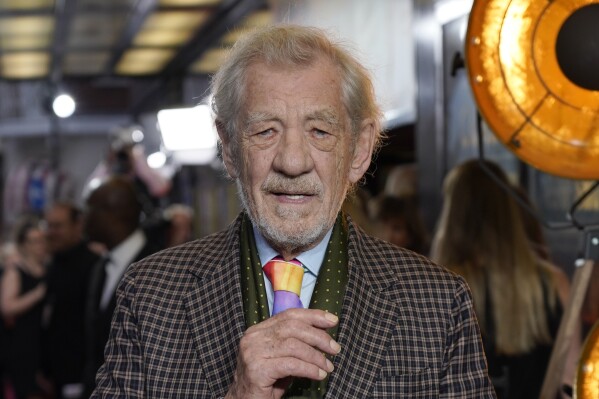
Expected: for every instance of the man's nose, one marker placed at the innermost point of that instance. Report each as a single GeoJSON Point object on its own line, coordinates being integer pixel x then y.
{"type": "Point", "coordinates": [293, 157]}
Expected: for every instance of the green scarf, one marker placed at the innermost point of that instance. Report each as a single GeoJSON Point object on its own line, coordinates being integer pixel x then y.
{"type": "Point", "coordinates": [328, 291]}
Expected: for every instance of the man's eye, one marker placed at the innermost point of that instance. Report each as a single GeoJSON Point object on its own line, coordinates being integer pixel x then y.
{"type": "Point", "coordinates": [267, 132]}
{"type": "Point", "coordinates": [320, 133]}
{"type": "Point", "coordinates": [263, 137]}
{"type": "Point", "coordinates": [323, 140]}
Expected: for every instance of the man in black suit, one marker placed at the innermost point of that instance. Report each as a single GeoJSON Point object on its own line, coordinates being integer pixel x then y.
{"type": "Point", "coordinates": [112, 219]}
{"type": "Point", "coordinates": [69, 272]}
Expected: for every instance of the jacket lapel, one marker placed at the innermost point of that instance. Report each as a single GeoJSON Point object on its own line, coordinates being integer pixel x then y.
{"type": "Point", "coordinates": [368, 319]}
{"type": "Point", "coordinates": [215, 312]}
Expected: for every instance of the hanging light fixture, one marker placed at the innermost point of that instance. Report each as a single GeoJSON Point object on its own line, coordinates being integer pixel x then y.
{"type": "Point", "coordinates": [533, 68]}
{"type": "Point", "coordinates": [587, 374]}
{"type": "Point", "coordinates": [63, 105]}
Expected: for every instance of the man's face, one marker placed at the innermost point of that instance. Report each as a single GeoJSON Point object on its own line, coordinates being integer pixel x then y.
{"type": "Point", "coordinates": [296, 156]}
{"type": "Point", "coordinates": [63, 233]}
{"type": "Point", "coordinates": [96, 218]}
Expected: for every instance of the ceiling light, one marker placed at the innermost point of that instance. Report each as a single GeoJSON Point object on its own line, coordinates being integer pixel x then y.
{"type": "Point", "coordinates": [137, 135]}
{"type": "Point", "coordinates": [63, 105]}
{"type": "Point", "coordinates": [156, 160]}
{"type": "Point", "coordinates": [189, 133]}
{"type": "Point", "coordinates": [187, 128]}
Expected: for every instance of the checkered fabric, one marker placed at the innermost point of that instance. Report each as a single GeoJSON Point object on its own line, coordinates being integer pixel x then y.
{"type": "Point", "coordinates": [407, 326]}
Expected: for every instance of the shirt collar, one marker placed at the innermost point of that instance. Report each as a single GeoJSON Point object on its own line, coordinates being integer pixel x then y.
{"type": "Point", "coordinates": [124, 253]}
{"type": "Point", "coordinates": [311, 259]}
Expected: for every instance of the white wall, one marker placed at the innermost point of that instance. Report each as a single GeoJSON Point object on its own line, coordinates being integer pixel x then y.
{"type": "Point", "coordinates": [381, 33]}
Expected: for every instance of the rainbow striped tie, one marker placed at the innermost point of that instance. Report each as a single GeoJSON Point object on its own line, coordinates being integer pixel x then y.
{"type": "Point", "coordinates": [286, 279]}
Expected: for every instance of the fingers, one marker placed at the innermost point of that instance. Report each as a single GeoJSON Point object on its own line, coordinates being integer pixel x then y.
{"type": "Point", "coordinates": [293, 327]}
{"type": "Point", "coordinates": [314, 317]}
{"type": "Point", "coordinates": [298, 341]}
{"type": "Point", "coordinates": [291, 366]}
{"type": "Point", "coordinates": [292, 348]}
{"type": "Point", "coordinates": [318, 318]}
{"type": "Point", "coordinates": [307, 345]}
{"type": "Point", "coordinates": [291, 344]}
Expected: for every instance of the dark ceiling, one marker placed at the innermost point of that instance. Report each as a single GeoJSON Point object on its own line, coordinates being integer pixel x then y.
{"type": "Point", "coordinates": [120, 55]}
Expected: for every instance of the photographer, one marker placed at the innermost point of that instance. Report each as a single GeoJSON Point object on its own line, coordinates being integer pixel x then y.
{"type": "Point", "coordinates": [126, 157]}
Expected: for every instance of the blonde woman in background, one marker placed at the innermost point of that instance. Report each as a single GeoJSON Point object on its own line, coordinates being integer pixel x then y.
{"type": "Point", "coordinates": [518, 297]}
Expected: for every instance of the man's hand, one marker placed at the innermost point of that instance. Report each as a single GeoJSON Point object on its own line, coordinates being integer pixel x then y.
{"type": "Point", "coordinates": [290, 344]}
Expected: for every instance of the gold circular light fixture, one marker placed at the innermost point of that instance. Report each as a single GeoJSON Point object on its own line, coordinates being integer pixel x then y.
{"type": "Point", "coordinates": [586, 385]}
{"type": "Point", "coordinates": [534, 71]}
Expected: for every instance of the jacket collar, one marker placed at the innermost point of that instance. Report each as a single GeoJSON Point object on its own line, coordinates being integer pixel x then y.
{"type": "Point", "coordinates": [368, 319]}
{"type": "Point", "coordinates": [215, 311]}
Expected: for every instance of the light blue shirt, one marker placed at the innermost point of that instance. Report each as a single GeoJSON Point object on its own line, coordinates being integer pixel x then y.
{"type": "Point", "coordinates": [311, 259]}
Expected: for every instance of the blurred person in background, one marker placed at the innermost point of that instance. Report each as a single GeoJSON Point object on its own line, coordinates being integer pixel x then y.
{"type": "Point", "coordinates": [69, 273]}
{"type": "Point", "coordinates": [21, 303]}
{"type": "Point", "coordinates": [399, 221]}
{"type": "Point", "coordinates": [532, 225]}
{"type": "Point", "coordinates": [8, 255]}
{"type": "Point", "coordinates": [402, 181]}
{"type": "Point", "coordinates": [518, 296]}
{"type": "Point", "coordinates": [112, 218]}
{"type": "Point", "coordinates": [536, 237]}
{"type": "Point", "coordinates": [179, 219]}
{"type": "Point", "coordinates": [126, 157]}
{"type": "Point", "coordinates": [173, 227]}
{"type": "Point", "coordinates": [356, 206]}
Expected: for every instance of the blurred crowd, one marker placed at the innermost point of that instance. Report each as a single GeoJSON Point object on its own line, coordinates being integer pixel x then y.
{"type": "Point", "coordinates": [60, 271]}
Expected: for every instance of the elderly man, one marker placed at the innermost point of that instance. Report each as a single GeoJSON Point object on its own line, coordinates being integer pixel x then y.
{"type": "Point", "coordinates": [298, 124]}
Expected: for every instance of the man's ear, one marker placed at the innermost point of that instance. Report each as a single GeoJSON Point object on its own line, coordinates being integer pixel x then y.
{"type": "Point", "coordinates": [227, 150]}
{"type": "Point", "coordinates": [363, 151]}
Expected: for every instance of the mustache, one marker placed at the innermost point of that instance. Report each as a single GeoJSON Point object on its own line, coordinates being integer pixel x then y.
{"type": "Point", "coordinates": [296, 185]}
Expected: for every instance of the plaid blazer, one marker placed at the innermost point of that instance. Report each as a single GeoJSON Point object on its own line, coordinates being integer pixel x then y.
{"type": "Point", "coordinates": [407, 327]}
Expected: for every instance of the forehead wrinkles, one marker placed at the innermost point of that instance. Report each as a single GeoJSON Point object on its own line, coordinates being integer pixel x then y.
{"type": "Point", "coordinates": [254, 117]}
{"type": "Point", "coordinates": [326, 116]}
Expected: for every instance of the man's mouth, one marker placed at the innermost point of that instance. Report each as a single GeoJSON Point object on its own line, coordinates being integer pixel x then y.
{"type": "Point", "coordinates": [292, 196]}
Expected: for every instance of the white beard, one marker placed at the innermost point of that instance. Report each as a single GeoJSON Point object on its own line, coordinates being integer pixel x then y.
{"type": "Point", "coordinates": [296, 241]}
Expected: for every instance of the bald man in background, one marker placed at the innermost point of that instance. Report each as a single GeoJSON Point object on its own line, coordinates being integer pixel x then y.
{"type": "Point", "coordinates": [112, 218]}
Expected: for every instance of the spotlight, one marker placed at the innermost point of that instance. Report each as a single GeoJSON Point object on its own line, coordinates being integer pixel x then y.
{"type": "Point", "coordinates": [189, 133]}
{"type": "Point", "coordinates": [156, 160]}
{"type": "Point", "coordinates": [63, 105]}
